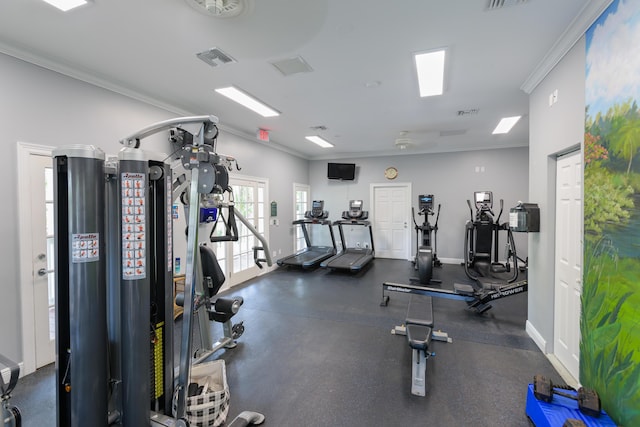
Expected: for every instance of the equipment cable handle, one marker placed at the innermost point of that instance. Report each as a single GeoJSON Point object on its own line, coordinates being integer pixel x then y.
{"type": "Point", "coordinates": [14, 368]}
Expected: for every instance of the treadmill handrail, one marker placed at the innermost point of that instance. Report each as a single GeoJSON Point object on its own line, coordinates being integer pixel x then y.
{"type": "Point", "coordinates": [312, 221]}
{"type": "Point", "coordinates": [362, 222]}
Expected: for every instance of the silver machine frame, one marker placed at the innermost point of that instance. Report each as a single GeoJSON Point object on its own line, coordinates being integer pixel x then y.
{"type": "Point", "coordinates": [114, 279]}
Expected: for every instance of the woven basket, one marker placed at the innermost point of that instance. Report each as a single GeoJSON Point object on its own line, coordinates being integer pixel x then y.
{"type": "Point", "coordinates": [211, 407]}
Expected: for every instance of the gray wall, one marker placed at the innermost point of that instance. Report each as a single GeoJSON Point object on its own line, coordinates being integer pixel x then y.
{"type": "Point", "coordinates": [43, 107]}
{"type": "Point", "coordinates": [553, 130]}
{"type": "Point", "coordinates": [450, 177]}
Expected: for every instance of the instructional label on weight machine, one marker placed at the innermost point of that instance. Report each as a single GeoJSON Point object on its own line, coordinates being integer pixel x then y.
{"type": "Point", "coordinates": [134, 224]}
{"type": "Point", "coordinates": [85, 247]}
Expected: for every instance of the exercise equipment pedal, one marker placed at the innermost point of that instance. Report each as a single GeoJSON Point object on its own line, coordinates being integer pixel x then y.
{"type": "Point", "coordinates": [588, 400]}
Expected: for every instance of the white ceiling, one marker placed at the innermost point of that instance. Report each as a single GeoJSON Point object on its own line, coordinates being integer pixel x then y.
{"type": "Point", "coordinates": [146, 49]}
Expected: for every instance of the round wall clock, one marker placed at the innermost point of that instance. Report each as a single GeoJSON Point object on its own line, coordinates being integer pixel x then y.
{"type": "Point", "coordinates": [391, 173]}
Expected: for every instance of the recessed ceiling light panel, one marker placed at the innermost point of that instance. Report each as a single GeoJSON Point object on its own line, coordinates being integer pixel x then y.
{"type": "Point", "coordinates": [247, 101]}
{"type": "Point", "coordinates": [430, 68]}
{"type": "Point", "coordinates": [319, 141]}
{"type": "Point", "coordinates": [506, 124]}
{"type": "Point", "coordinates": [66, 5]}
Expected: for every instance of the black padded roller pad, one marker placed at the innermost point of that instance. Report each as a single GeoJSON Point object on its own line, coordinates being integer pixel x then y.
{"type": "Point", "coordinates": [420, 311]}
{"type": "Point", "coordinates": [418, 336]}
{"type": "Point", "coordinates": [211, 268]}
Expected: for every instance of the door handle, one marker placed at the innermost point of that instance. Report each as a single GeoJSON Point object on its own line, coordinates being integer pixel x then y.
{"type": "Point", "coordinates": [43, 271]}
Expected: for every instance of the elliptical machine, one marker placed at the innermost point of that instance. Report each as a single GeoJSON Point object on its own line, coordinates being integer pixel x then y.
{"type": "Point", "coordinates": [426, 257]}
{"type": "Point", "coordinates": [481, 262]}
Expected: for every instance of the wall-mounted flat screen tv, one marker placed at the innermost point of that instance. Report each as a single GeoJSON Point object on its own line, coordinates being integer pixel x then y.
{"type": "Point", "coordinates": [343, 171]}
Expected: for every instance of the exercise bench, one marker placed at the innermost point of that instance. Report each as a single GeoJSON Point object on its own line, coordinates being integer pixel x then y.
{"type": "Point", "coordinates": [418, 327]}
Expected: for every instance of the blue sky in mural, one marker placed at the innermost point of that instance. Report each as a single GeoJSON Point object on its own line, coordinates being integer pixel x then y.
{"type": "Point", "coordinates": [617, 51]}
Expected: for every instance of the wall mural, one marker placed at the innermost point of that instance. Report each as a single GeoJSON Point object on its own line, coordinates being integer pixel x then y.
{"type": "Point", "coordinates": [610, 323]}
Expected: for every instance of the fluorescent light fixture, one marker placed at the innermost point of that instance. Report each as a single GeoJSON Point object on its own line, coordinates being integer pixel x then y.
{"type": "Point", "coordinates": [506, 124]}
{"type": "Point", "coordinates": [321, 142]}
{"type": "Point", "coordinates": [247, 101]}
{"type": "Point", "coordinates": [66, 5]}
{"type": "Point", "coordinates": [430, 66]}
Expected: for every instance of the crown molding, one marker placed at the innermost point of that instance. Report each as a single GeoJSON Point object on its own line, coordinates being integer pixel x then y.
{"type": "Point", "coordinates": [581, 23]}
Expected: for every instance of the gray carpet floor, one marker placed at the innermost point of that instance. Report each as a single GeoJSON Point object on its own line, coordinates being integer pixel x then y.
{"type": "Point", "coordinates": [318, 350]}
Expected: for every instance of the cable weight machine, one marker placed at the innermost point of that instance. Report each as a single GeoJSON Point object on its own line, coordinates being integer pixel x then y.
{"type": "Point", "coordinates": [114, 281]}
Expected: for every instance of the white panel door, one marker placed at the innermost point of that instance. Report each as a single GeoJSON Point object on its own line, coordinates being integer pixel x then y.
{"type": "Point", "coordinates": [391, 210]}
{"type": "Point", "coordinates": [568, 264]}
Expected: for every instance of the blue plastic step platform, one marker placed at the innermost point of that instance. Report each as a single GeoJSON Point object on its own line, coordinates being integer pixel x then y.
{"type": "Point", "coordinates": [561, 408]}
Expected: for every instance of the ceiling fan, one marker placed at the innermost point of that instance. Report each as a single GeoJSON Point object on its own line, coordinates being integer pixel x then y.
{"type": "Point", "coordinates": [219, 8]}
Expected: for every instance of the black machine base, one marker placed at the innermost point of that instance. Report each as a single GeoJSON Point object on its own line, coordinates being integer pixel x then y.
{"type": "Point", "coordinates": [477, 300]}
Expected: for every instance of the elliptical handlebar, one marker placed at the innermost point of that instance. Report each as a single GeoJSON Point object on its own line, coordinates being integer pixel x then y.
{"type": "Point", "coordinates": [413, 216]}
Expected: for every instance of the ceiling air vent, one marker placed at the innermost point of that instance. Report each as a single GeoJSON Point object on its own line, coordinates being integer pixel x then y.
{"type": "Point", "coordinates": [215, 57]}
{"type": "Point", "coordinates": [219, 8]}
{"type": "Point", "coordinates": [499, 4]}
{"type": "Point", "coordinates": [292, 66]}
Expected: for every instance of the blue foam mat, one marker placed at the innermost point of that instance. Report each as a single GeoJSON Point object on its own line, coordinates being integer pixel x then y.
{"type": "Point", "coordinates": [561, 408]}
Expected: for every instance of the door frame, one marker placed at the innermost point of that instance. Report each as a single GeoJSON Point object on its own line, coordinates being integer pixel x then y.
{"type": "Point", "coordinates": [372, 215]}
{"type": "Point", "coordinates": [25, 150]}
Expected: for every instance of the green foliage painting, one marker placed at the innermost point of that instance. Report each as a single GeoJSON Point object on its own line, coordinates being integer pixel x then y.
{"type": "Point", "coordinates": [610, 322]}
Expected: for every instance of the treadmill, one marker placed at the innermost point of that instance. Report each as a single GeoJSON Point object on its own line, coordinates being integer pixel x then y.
{"type": "Point", "coordinates": [352, 259]}
{"type": "Point", "coordinates": [311, 256]}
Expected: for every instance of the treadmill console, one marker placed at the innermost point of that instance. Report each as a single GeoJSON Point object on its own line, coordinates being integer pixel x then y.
{"type": "Point", "coordinates": [484, 200]}
{"type": "Point", "coordinates": [317, 210]}
{"type": "Point", "coordinates": [425, 203]}
{"type": "Point", "coordinates": [355, 211]}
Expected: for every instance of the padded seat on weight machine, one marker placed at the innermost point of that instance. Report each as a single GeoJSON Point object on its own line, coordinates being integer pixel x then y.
{"type": "Point", "coordinates": [418, 337]}
{"type": "Point", "coordinates": [420, 311]}
{"type": "Point", "coordinates": [419, 322]}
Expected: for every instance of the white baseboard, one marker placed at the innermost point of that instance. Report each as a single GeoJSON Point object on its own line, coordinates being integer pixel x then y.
{"type": "Point", "coordinates": [536, 337]}
{"type": "Point", "coordinates": [564, 373]}
{"type": "Point", "coordinates": [451, 260]}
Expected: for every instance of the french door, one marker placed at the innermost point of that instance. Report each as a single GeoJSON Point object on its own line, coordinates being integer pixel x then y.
{"type": "Point", "coordinates": [236, 258]}
{"type": "Point", "coordinates": [301, 195]}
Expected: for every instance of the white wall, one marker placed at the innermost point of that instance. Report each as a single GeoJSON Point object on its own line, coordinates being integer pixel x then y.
{"type": "Point", "coordinates": [43, 107]}
{"type": "Point", "coordinates": [553, 130]}
{"type": "Point", "coordinates": [450, 177]}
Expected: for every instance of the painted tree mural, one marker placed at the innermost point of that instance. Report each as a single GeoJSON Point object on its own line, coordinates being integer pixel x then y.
{"type": "Point", "coordinates": [610, 322]}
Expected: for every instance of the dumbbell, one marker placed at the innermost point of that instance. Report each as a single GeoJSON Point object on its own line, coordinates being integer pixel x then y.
{"type": "Point", "coordinates": [588, 400]}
